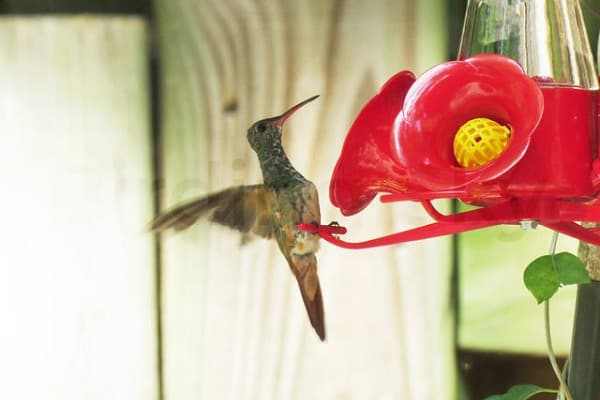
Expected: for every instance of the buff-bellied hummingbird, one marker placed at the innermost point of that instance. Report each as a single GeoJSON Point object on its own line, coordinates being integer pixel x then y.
{"type": "Point", "coordinates": [272, 209]}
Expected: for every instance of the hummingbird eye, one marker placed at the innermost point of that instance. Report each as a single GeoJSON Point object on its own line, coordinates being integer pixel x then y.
{"type": "Point", "coordinates": [261, 127]}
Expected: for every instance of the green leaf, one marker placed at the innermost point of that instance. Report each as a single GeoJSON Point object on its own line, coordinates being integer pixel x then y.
{"type": "Point", "coordinates": [541, 279]}
{"type": "Point", "coordinates": [570, 269]}
{"type": "Point", "coordinates": [545, 275]}
{"type": "Point", "coordinates": [521, 392]}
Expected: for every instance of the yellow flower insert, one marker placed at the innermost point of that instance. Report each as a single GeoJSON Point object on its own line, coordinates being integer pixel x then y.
{"type": "Point", "coordinates": [480, 141]}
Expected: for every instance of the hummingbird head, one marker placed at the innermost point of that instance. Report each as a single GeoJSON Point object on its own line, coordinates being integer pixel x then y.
{"type": "Point", "coordinates": [268, 131]}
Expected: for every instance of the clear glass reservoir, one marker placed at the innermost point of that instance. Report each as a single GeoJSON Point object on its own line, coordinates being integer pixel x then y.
{"type": "Point", "coordinates": [547, 37]}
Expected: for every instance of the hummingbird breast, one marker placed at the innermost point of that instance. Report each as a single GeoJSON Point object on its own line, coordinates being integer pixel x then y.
{"type": "Point", "coordinates": [294, 205]}
{"type": "Point", "coordinates": [305, 243]}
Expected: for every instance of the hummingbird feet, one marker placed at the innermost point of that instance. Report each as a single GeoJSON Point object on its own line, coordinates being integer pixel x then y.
{"type": "Point", "coordinates": [332, 229]}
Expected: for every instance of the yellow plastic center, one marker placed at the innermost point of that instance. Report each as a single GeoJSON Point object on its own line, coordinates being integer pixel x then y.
{"type": "Point", "coordinates": [480, 141]}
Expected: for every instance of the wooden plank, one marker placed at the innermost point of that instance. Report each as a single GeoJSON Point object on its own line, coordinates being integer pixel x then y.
{"type": "Point", "coordinates": [235, 326]}
{"type": "Point", "coordinates": [77, 297]}
{"type": "Point", "coordinates": [74, 6]}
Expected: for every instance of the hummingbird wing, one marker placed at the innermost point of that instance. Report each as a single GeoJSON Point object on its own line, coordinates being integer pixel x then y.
{"type": "Point", "coordinates": [244, 208]}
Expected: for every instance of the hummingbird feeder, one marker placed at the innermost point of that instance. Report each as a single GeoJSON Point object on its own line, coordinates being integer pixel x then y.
{"type": "Point", "coordinates": [511, 127]}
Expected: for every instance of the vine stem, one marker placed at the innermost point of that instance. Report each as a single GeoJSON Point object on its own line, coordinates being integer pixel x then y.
{"type": "Point", "coordinates": [564, 389]}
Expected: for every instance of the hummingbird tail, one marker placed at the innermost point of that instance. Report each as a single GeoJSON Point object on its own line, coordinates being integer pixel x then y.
{"type": "Point", "coordinates": [305, 269]}
{"type": "Point", "coordinates": [316, 314]}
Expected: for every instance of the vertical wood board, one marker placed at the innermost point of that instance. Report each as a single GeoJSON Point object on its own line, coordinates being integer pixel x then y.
{"type": "Point", "coordinates": [234, 323]}
{"type": "Point", "coordinates": [77, 283]}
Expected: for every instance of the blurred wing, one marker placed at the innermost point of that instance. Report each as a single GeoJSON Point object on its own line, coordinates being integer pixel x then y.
{"type": "Point", "coordinates": [244, 208]}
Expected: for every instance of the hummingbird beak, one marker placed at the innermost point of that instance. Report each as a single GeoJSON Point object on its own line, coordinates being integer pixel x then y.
{"type": "Point", "coordinates": [283, 117]}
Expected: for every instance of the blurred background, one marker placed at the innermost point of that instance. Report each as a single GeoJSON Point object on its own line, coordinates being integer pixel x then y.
{"type": "Point", "coordinates": [112, 110]}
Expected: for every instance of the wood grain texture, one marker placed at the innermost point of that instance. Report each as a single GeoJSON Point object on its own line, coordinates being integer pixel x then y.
{"type": "Point", "coordinates": [77, 296]}
{"type": "Point", "coordinates": [234, 322]}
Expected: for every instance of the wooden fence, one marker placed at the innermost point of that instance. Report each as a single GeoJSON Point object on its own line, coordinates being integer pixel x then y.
{"type": "Point", "coordinates": [79, 277]}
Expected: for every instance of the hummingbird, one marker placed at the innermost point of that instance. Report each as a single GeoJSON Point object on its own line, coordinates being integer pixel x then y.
{"type": "Point", "coordinates": [272, 210]}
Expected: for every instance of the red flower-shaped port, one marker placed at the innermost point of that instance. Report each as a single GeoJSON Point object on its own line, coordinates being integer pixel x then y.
{"type": "Point", "coordinates": [402, 140]}
{"type": "Point", "coordinates": [367, 165]}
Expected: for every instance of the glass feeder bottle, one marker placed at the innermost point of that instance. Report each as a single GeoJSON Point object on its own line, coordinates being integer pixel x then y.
{"type": "Point", "coordinates": [547, 37]}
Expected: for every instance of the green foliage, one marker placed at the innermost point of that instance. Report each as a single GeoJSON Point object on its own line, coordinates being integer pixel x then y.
{"type": "Point", "coordinates": [541, 279]}
{"type": "Point", "coordinates": [521, 392]}
{"type": "Point", "coordinates": [571, 270]}
{"type": "Point", "coordinates": [546, 274]}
